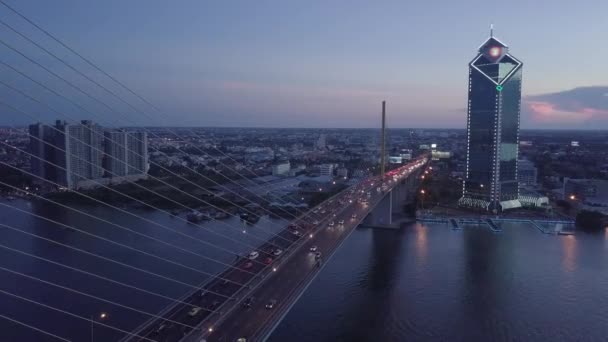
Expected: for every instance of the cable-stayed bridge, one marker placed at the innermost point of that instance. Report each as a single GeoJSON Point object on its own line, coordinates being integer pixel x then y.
{"type": "Point", "coordinates": [232, 276]}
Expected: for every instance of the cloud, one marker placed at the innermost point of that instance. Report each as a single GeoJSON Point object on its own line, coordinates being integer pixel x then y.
{"type": "Point", "coordinates": [582, 107]}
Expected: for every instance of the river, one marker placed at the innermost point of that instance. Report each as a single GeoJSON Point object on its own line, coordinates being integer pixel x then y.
{"type": "Point", "coordinates": [430, 283]}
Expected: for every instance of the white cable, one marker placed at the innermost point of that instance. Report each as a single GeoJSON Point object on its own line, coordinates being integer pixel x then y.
{"type": "Point", "coordinates": [92, 296]}
{"type": "Point", "coordinates": [130, 197]}
{"type": "Point", "coordinates": [118, 225]}
{"type": "Point", "coordinates": [101, 257]}
{"type": "Point", "coordinates": [34, 328]}
{"type": "Point", "coordinates": [80, 90]}
{"type": "Point", "coordinates": [73, 315]}
{"type": "Point", "coordinates": [113, 94]}
{"type": "Point", "coordinates": [132, 182]}
{"type": "Point", "coordinates": [89, 62]}
{"type": "Point", "coordinates": [112, 242]}
{"type": "Point", "coordinates": [108, 279]}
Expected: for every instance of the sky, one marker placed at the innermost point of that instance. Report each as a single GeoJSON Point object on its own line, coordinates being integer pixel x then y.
{"type": "Point", "coordinates": [303, 63]}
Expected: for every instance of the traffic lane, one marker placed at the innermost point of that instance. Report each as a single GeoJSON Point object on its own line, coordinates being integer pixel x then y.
{"type": "Point", "coordinates": [227, 286]}
{"type": "Point", "coordinates": [281, 286]}
{"type": "Point", "coordinates": [296, 238]}
{"type": "Point", "coordinates": [273, 290]}
{"type": "Point", "coordinates": [328, 243]}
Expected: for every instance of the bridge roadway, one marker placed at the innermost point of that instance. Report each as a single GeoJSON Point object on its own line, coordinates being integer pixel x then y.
{"type": "Point", "coordinates": [282, 278]}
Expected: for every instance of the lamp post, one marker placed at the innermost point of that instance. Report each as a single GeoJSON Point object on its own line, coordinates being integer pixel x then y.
{"type": "Point", "coordinates": [101, 317]}
{"type": "Point", "coordinates": [422, 192]}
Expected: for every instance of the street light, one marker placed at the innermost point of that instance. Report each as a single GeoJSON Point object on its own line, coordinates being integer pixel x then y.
{"type": "Point", "coordinates": [101, 317]}
{"type": "Point", "coordinates": [572, 197]}
{"type": "Point", "coordinates": [422, 192]}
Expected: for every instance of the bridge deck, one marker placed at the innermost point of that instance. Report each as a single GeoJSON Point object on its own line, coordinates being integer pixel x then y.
{"type": "Point", "coordinates": [295, 269]}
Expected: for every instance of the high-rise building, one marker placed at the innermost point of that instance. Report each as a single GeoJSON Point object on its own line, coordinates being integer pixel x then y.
{"type": "Point", "coordinates": [126, 153]}
{"type": "Point", "coordinates": [38, 134]}
{"type": "Point", "coordinates": [527, 173]}
{"type": "Point", "coordinates": [77, 155]}
{"type": "Point", "coordinates": [493, 129]}
{"type": "Point", "coordinates": [82, 155]}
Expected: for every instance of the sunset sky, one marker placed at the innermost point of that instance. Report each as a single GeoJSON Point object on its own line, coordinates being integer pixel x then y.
{"type": "Point", "coordinates": [312, 63]}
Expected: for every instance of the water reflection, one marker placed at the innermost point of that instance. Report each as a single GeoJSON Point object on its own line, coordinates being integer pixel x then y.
{"type": "Point", "coordinates": [421, 244]}
{"type": "Point", "coordinates": [569, 246]}
{"type": "Point", "coordinates": [484, 276]}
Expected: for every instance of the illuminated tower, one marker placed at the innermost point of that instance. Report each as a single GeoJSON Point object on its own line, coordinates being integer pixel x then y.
{"type": "Point", "coordinates": [493, 129]}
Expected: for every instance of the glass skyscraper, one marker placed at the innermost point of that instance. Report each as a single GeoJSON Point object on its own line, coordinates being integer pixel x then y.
{"type": "Point", "coordinates": [493, 129]}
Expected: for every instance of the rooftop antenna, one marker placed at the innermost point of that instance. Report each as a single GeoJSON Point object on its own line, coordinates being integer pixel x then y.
{"type": "Point", "coordinates": [491, 30]}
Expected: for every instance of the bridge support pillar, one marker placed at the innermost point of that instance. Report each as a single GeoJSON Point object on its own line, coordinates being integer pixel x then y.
{"type": "Point", "coordinates": [382, 214]}
{"type": "Point", "coordinates": [399, 198]}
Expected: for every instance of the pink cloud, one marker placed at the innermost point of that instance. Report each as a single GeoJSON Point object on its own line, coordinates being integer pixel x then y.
{"type": "Point", "coordinates": [543, 111]}
{"type": "Point", "coordinates": [594, 111]}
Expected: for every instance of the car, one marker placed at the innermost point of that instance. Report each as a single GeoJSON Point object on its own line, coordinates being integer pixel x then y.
{"type": "Point", "coordinates": [225, 281]}
{"type": "Point", "coordinates": [314, 248]}
{"type": "Point", "coordinates": [160, 328]}
{"type": "Point", "coordinates": [353, 216]}
{"type": "Point", "coordinates": [318, 255]}
{"type": "Point", "coordinates": [248, 265]}
{"type": "Point", "coordinates": [323, 211]}
{"type": "Point", "coordinates": [277, 252]}
{"type": "Point", "coordinates": [194, 311]}
{"type": "Point", "coordinates": [248, 302]}
{"type": "Point", "coordinates": [315, 222]}
{"type": "Point", "coordinates": [203, 293]}
{"type": "Point", "coordinates": [331, 224]}
{"type": "Point", "coordinates": [296, 233]}
{"type": "Point", "coordinates": [271, 304]}
{"type": "Point", "coordinates": [253, 255]}
{"type": "Point", "coordinates": [241, 339]}
{"type": "Point", "coordinates": [268, 261]}
{"type": "Point", "coordinates": [341, 222]}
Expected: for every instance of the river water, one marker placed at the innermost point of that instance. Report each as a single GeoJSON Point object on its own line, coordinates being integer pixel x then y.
{"type": "Point", "coordinates": [430, 283]}
{"type": "Point", "coordinates": [421, 283]}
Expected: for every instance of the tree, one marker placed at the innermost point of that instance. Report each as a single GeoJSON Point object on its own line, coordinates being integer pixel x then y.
{"type": "Point", "coordinates": [591, 220]}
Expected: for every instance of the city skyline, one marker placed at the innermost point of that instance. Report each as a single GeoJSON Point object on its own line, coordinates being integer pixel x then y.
{"type": "Point", "coordinates": [208, 73]}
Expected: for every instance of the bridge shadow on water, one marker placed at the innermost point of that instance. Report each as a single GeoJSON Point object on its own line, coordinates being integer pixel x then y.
{"type": "Point", "coordinates": [369, 313]}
